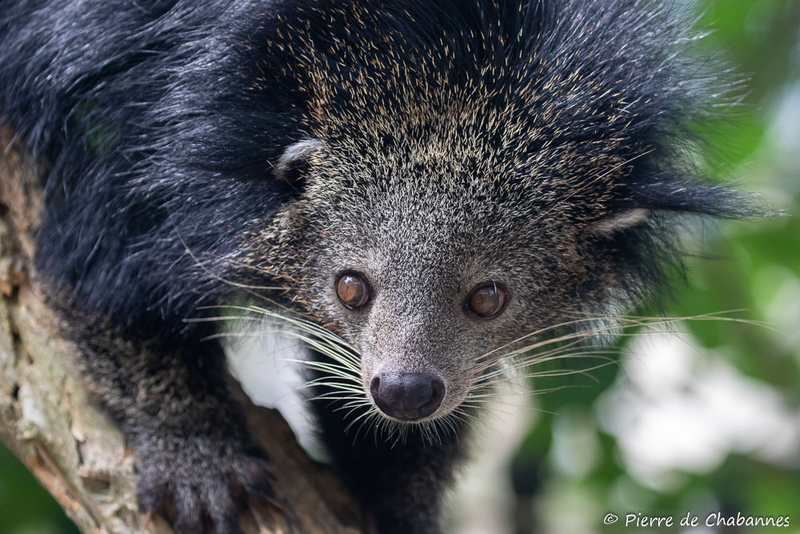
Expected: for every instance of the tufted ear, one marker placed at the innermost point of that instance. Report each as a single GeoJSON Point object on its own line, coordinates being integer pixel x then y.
{"type": "Point", "coordinates": [621, 220]}
{"type": "Point", "coordinates": [291, 167]}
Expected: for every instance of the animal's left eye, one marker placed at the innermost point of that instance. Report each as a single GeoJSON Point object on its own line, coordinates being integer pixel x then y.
{"type": "Point", "coordinates": [487, 300]}
{"type": "Point", "coordinates": [352, 290]}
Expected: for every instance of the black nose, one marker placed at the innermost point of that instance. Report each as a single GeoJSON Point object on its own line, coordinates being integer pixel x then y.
{"type": "Point", "coordinates": [407, 396]}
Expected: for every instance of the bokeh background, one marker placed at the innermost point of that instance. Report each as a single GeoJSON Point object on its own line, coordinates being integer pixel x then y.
{"type": "Point", "coordinates": [698, 416]}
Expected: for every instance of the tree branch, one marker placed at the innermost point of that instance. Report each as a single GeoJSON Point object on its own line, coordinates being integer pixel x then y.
{"type": "Point", "coordinates": [70, 445]}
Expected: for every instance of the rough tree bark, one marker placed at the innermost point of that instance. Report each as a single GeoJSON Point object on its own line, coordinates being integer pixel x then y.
{"type": "Point", "coordinates": [70, 445]}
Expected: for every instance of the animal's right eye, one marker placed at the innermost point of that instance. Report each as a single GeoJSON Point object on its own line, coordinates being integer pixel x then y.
{"type": "Point", "coordinates": [487, 301]}
{"type": "Point", "coordinates": [352, 290]}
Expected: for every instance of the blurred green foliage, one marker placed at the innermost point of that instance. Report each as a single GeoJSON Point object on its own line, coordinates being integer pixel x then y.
{"type": "Point", "coordinates": [25, 507]}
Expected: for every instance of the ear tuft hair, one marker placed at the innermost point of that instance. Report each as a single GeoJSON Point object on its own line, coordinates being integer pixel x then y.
{"type": "Point", "coordinates": [293, 163]}
{"type": "Point", "coordinates": [622, 220]}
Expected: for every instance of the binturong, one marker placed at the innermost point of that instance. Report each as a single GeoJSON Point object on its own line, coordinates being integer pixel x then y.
{"type": "Point", "coordinates": [417, 188]}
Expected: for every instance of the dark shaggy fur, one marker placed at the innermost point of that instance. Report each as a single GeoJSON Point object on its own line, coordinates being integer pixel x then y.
{"type": "Point", "coordinates": [557, 133]}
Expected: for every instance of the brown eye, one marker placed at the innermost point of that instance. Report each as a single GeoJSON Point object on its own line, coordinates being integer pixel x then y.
{"type": "Point", "coordinates": [487, 300]}
{"type": "Point", "coordinates": [352, 290]}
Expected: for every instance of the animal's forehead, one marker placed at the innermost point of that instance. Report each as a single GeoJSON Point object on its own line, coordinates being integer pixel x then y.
{"type": "Point", "coordinates": [423, 231]}
{"type": "Point", "coordinates": [434, 200]}
{"type": "Point", "coordinates": [428, 187]}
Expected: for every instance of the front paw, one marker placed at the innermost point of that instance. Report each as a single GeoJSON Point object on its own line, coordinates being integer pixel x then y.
{"type": "Point", "coordinates": [203, 486]}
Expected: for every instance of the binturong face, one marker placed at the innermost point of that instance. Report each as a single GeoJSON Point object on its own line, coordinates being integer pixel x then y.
{"type": "Point", "coordinates": [433, 266]}
{"type": "Point", "coordinates": [463, 184]}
